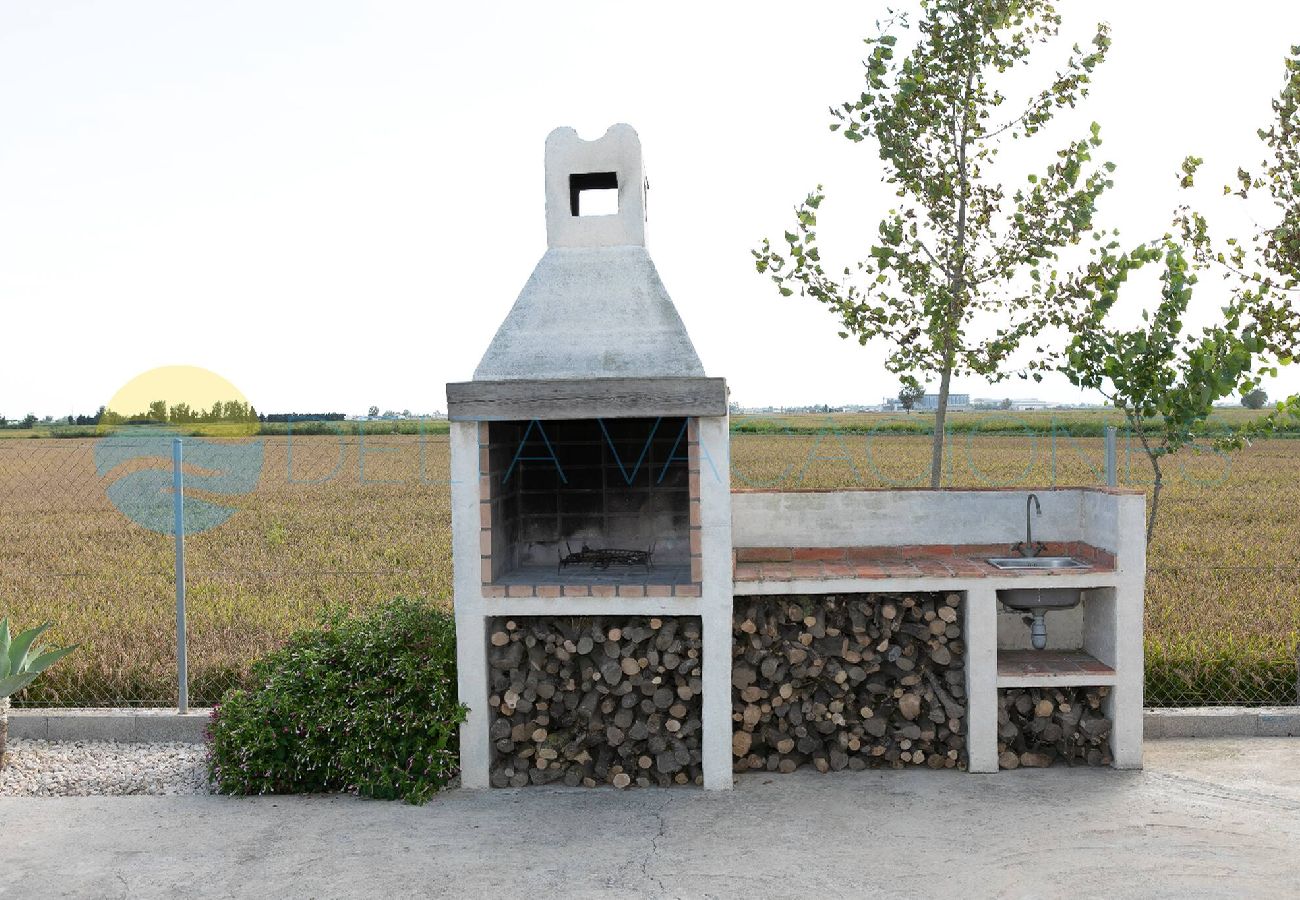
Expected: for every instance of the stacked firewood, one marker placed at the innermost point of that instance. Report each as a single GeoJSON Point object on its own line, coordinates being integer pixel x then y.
{"type": "Point", "coordinates": [1039, 726]}
{"type": "Point", "coordinates": [595, 700]}
{"type": "Point", "coordinates": [851, 681]}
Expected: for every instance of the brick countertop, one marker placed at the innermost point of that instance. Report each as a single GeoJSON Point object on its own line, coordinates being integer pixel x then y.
{"type": "Point", "coordinates": [917, 560]}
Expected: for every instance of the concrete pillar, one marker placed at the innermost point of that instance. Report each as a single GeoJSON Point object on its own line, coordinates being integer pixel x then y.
{"type": "Point", "coordinates": [467, 591]}
{"type": "Point", "coordinates": [716, 600]}
{"type": "Point", "coordinates": [1125, 702]}
{"type": "Point", "coordinates": [981, 679]}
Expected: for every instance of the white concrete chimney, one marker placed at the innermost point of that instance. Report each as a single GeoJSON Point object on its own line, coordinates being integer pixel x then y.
{"type": "Point", "coordinates": [594, 307]}
{"type": "Point", "coordinates": [575, 167]}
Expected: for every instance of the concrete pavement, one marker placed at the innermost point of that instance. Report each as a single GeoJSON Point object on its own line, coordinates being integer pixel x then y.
{"type": "Point", "coordinates": [1205, 818]}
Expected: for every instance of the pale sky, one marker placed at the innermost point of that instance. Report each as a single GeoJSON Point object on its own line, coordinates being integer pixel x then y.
{"type": "Point", "coordinates": [334, 204]}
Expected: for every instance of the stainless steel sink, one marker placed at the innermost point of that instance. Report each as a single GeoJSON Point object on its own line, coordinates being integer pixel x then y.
{"type": "Point", "coordinates": [1039, 562]}
{"type": "Point", "coordinates": [1035, 599]}
{"type": "Point", "coordinates": [1037, 602]}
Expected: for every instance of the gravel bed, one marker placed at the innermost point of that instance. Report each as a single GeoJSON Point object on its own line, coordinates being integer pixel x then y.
{"type": "Point", "coordinates": [85, 768]}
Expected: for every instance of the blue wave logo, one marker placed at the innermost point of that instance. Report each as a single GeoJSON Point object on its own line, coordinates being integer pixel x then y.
{"type": "Point", "coordinates": [144, 494]}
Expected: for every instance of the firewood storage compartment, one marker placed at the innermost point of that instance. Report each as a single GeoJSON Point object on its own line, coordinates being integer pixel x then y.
{"type": "Point", "coordinates": [594, 700]}
{"type": "Point", "coordinates": [854, 681]}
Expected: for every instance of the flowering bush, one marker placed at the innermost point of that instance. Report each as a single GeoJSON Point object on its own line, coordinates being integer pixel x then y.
{"type": "Point", "coordinates": [366, 705]}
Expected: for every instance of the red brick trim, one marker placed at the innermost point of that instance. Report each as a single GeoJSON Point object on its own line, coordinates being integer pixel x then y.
{"type": "Point", "coordinates": [752, 564]}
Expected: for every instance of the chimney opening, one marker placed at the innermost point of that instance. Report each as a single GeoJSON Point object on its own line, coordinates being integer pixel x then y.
{"type": "Point", "coordinates": [601, 189]}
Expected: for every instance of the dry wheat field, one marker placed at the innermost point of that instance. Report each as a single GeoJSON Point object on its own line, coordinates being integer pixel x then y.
{"type": "Point", "coordinates": [347, 522]}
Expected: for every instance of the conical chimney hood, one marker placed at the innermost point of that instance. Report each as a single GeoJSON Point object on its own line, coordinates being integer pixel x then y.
{"type": "Point", "coordinates": [594, 332]}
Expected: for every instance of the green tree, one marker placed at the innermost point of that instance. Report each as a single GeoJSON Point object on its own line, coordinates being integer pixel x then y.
{"type": "Point", "coordinates": [373, 412]}
{"type": "Point", "coordinates": [910, 395]}
{"type": "Point", "coordinates": [1267, 263]}
{"type": "Point", "coordinates": [158, 411]}
{"type": "Point", "coordinates": [960, 245]}
{"type": "Point", "coordinates": [29, 420]}
{"type": "Point", "coordinates": [1276, 248]}
{"type": "Point", "coordinates": [1254, 399]}
{"type": "Point", "coordinates": [1164, 378]}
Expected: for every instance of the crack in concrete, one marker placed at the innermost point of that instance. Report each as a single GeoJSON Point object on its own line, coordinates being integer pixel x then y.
{"type": "Point", "coordinates": [662, 829]}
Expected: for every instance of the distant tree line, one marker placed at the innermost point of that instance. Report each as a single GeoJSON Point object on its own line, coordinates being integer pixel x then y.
{"type": "Point", "coordinates": [301, 417]}
{"type": "Point", "coordinates": [162, 413]}
{"type": "Point", "coordinates": [229, 411]}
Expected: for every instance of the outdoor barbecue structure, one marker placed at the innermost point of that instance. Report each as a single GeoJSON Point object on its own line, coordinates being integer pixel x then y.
{"type": "Point", "coordinates": [624, 617]}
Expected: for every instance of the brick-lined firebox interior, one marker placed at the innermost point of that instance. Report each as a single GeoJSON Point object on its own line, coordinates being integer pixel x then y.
{"type": "Point", "coordinates": [851, 681]}
{"type": "Point", "coordinates": [549, 488]}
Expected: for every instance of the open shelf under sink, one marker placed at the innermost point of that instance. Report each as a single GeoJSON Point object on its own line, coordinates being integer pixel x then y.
{"type": "Point", "coordinates": [1032, 668]}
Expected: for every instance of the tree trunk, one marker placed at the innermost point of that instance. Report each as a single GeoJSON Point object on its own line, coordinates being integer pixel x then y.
{"type": "Point", "coordinates": [956, 286]}
{"type": "Point", "coordinates": [1155, 500]}
{"type": "Point", "coordinates": [940, 418]}
{"type": "Point", "coordinates": [1154, 458]}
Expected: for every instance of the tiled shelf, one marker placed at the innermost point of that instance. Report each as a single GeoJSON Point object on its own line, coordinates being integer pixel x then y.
{"type": "Point", "coordinates": [1042, 668]}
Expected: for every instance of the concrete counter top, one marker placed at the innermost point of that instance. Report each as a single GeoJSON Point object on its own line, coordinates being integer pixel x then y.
{"type": "Point", "coordinates": [954, 564]}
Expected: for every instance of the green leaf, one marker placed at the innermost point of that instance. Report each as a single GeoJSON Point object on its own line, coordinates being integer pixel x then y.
{"type": "Point", "coordinates": [45, 660]}
{"type": "Point", "coordinates": [18, 650]}
{"type": "Point", "coordinates": [14, 683]}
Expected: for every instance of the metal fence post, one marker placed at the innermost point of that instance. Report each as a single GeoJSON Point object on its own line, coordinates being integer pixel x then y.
{"type": "Point", "coordinates": [1112, 465]}
{"type": "Point", "coordinates": [178, 509]}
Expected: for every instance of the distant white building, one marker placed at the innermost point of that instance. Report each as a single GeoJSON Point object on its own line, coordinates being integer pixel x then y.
{"type": "Point", "coordinates": [1011, 403]}
{"type": "Point", "coordinates": [1031, 404]}
{"type": "Point", "coordinates": [955, 401]}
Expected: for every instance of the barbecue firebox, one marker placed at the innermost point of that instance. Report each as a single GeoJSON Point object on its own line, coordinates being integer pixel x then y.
{"type": "Point", "coordinates": [583, 502]}
{"type": "Point", "coordinates": [589, 451]}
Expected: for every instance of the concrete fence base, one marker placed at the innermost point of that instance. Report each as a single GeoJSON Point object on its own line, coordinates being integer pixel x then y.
{"type": "Point", "coordinates": [159, 725]}
{"type": "Point", "coordinates": [124, 725]}
{"type": "Point", "coordinates": [1222, 721]}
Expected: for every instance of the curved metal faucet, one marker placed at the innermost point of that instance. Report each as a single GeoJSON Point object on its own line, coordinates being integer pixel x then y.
{"type": "Point", "coordinates": [1030, 547]}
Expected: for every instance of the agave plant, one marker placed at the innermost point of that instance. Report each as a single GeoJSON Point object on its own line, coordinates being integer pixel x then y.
{"type": "Point", "coordinates": [21, 660]}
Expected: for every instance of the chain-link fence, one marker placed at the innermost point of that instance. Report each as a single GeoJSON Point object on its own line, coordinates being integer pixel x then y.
{"type": "Point", "coordinates": [281, 529]}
